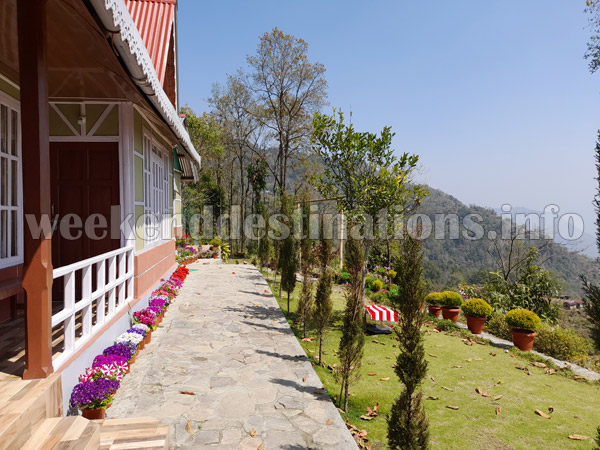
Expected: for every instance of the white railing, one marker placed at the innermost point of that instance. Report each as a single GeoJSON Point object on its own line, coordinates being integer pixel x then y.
{"type": "Point", "coordinates": [107, 281]}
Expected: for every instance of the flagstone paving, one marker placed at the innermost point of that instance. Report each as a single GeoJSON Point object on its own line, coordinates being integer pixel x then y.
{"type": "Point", "coordinates": [225, 371]}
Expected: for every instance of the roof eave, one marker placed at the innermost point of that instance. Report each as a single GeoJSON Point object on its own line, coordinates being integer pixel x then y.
{"type": "Point", "coordinates": [116, 19]}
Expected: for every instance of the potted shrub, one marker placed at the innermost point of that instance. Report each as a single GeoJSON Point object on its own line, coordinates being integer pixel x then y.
{"type": "Point", "coordinates": [476, 310]}
{"type": "Point", "coordinates": [434, 301]}
{"type": "Point", "coordinates": [523, 324]}
{"type": "Point", "coordinates": [451, 303]}
{"type": "Point", "coordinates": [93, 397]}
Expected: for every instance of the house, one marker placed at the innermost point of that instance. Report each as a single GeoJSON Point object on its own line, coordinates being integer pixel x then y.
{"type": "Point", "coordinates": [573, 304]}
{"type": "Point", "coordinates": [92, 155]}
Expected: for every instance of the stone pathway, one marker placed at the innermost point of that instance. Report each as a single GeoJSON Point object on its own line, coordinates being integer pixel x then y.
{"type": "Point", "coordinates": [226, 341]}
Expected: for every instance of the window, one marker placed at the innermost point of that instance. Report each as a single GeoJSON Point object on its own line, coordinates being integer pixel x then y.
{"type": "Point", "coordinates": [11, 239]}
{"type": "Point", "coordinates": [157, 203]}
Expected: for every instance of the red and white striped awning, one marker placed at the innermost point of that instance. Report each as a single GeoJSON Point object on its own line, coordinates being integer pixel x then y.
{"type": "Point", "coordinates": [378, 312]}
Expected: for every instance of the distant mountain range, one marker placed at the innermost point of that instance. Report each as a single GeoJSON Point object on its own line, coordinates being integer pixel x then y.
{"type": "Point", "coordinates": [586, 244]}
{"type": "Point", "coordinates": [449, 262]}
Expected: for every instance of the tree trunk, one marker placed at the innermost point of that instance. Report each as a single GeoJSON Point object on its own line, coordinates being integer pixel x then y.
{"type": "Point", "coordinates": [320, 348]}
{"type": "Point", "coordinates": [288, 301]}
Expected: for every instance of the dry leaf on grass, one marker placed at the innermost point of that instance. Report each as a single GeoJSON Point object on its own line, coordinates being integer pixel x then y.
{"type": "Point", "coordinates": [498, 411]}
{"type": "Point", "coordinates": [308, 339]}
{"type": "Point", "coordinates": [385, 379]}
{"type": "Point", "coordinates": [433, 379]}
{"type": "Point", "coordinates": [366, 417]}
{"type": "Point", "coordinates": [482, 392]}
{"type": "Point", "coordinates": [432, 398]}
{"type": "Point", "coordinates": [432, 355]}
{"type": "Point", "coordinates": [539, 364]}
{"type": "Point", "coordinates": [578, 437]}
{"type": "Point", "coordinates": [455, 408]}
{"type": "Point", "coordinates": [188, 427]}
{"type": "Point", "coordinates": [497, 397]}
{"type": "Point", "coordinates": [447, 389]}
{"type": "Point", "coordinates": [542, 414]}
{"type": "Point", "coordinates": [372, 374]}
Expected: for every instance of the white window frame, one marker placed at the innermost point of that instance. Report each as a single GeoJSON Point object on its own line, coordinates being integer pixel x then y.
{"type": "Point", "coordinates": [157, 200]}
{"type": "Point", "coordinates": [13, 105]}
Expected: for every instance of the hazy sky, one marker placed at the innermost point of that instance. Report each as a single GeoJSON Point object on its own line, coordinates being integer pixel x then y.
{"type": "Point", "coordinates": [494, 95]}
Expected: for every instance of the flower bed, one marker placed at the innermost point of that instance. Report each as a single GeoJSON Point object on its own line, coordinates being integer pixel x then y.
{"type": "Point", "coordinates": [100, 382]}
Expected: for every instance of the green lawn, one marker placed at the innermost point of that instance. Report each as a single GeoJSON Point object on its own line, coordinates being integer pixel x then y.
{"type": "Point", "coordinates": [461, 369]}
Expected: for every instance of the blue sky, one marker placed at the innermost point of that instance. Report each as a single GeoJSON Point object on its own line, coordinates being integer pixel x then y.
{"type": "Point", "coordinates": [495, 95]}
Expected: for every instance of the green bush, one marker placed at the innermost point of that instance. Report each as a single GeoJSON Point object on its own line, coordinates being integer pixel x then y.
{"type": "Point", "coordinates": [343, 278]}
{"type": "Point", "coordinates": [434, 299]}
{"type": "Point", "coordinates": [523, 319]}
{"type": "Point", "coordinates": [446, 325]}
{"type": "Point", "coordinates": [380, 298]}
{"type": "Point", "coordinates": [377, 285]}
{"type": "Point", "coordinates": [496, 325]}
{"type": "Point", "coordinates": [369, 281]}
{"type": "Point", "coordinates": [451, 299]}
{"type": "Point", "coordinates": [561, 343]}
{"type": "Point", "coordinates": [477, 307]}
{"type": "Point", "coordinates": [392, 275]}
{"type": "Point", "coordinates": [216, 242]}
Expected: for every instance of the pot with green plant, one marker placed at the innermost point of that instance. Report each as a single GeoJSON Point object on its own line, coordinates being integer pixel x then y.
{"type": "Point", "coordinates": [434, 301]}
{"type": "Point", "coordinates": [476, 310]}
{"type": "Point", "coordinates": [451, 303]}
{"type": "Point", "coordinates": [523, 325]}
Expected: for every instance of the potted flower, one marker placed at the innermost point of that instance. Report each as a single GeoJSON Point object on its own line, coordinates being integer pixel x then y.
{"type": "Point", "coordinates": [119, 362]}
{"type": "Point", "coordinates": [142, 333]}
{"type": "Point", "coordinates": [93, 397]}
{"type": "Point", "coordinates": [146, 317]}
{"type": "Point", "coordinates": [434, 301]}
{"type": "Point", "coordinates": [124, 349]}
{"type": "Point", "coordinates": [523, 324]}
{"type": "Point", "coordinates": [476, 310]}
{"type": "Point", "coordinates": [146, 329]}
{"type": "Point", "coordinates": [134, 338]}
{"type": "Point", "coordinates": [451, 303]}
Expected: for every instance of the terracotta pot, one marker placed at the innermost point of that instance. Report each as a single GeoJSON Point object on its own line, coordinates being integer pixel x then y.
{"type": "Point", "coordinates": [149, 337]}
{"type": "Point", "coordinates": [434, 310]}
{"type": "Point", "coordinates": [523, 339]}
{"type": "Point", "coordinates": [132, 360]}
{"type": "Point", "coordinates": [475, 324]}
{"type": "Point", "coordinates": [215, 256]}
{"type": "Point", "coordinates": [93, 414]}
{"type": "Point", "coordinates": [451, 314]}
{"type": "Point", "coordinates": [142, 344]}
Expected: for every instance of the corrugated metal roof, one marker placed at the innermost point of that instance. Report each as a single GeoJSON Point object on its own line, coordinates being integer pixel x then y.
{"type": "Point", "coordinates": [154, 21]}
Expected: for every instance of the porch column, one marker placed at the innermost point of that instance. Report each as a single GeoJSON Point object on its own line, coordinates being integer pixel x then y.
{"type": "Point", "coordinates": [37, 278]}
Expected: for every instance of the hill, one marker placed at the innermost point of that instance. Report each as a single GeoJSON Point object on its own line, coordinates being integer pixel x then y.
{"type": "Point", "coordinates": [449, 262]}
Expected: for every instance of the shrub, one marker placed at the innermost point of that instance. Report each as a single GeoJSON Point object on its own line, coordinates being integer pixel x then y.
{"type": "Point", "coordinates": [446, 325]}
{"type": "Point", "coordinates": [377, 285]}
{"type": "Point", "coordinates": [523, 319]}
{"type": "Point", "coordinates": [380, 298]}
{"type": "Point", "coordinates": [451, 299]}
{"type": "Point", "coordinates": [561, 343]}
{"type": "Point", "coordinates": [477, 307]}
{"type": "Point", "coordinates": [392, 274]}
{"type": "Point", "coordinates": [434, 299]}
{"type": "Point", "coordinates": [496, 325]}
{"type": "Point", "coordinates": [343, 278]}
{"type": "Point", "coordinates": [216, 242]}
{"type": "Point", "coordinates": [369, 282]}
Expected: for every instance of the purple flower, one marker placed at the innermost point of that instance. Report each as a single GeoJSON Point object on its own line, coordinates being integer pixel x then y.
{"type": "Point", "coordinates": [136, 330]}
{"type": "Point", "coordinates": [124, 349]}
{"type": "Point", "coordinates": [102, 360]}
{"type": "Point", "coordinates": [94, 394]}
{"type": "Point", "coordinates": [155, 309]}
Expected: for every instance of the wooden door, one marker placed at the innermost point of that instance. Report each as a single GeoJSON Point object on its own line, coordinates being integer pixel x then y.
{"type": "Point", "coordinates": [84, 181]}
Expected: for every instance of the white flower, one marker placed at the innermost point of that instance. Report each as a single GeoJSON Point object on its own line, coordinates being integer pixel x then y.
{"type": "Point", "coordinates": [141, 326]}
{"type": "Point", "coordinates": [134, 338]}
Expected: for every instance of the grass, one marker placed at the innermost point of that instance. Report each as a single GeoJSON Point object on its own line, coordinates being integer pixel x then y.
{"type": "Point", "coordinates": [462, 368]}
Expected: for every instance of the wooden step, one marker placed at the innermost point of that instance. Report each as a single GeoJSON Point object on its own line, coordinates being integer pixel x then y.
{"type": "Point", "coordinates": [65, 433]}
{"type": "Point", "coordinates": [24, 404]}
{"type": "Point", "coordinates": [133, 433]}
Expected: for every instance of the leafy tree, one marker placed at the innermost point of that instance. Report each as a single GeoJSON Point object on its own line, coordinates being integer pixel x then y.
{"type": "Point", "coordinates": [323, 306]}
{"type": "Point", "coordinates": [408, 427]}
{"type": "Point", "coordinates": [288, 259]}
{"type": "Point", "coordinates": [529, 287]}
{"type": "Point", "coordinates": [353, 335]}
{"type": "Point", "coordinates": [592, 291]}
{"type": "Point", "coordinates": [305, 303]}
{"type": "Point", "coordinates": [363, 174]}
{"type": "Point", "coordinates": [593, 47]}
{"type": "Point", "coordinates": [288, 89]}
